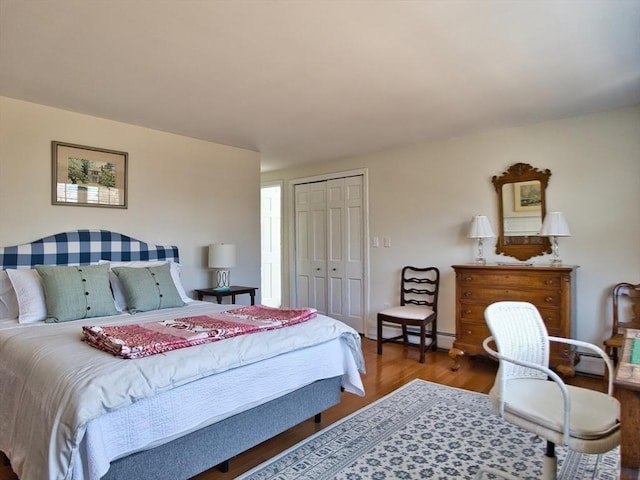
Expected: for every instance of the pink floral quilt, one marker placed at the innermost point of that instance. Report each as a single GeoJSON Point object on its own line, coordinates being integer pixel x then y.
{"type": "Point", "coordinates": [144, 339]}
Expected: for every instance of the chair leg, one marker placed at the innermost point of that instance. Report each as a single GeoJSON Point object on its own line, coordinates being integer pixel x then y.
{"type": "Point", "coordinates": [405, 337]}
{"type": "Point", "coordinates": [422, 341]}
{"type": "Point", "coordinates": [613, 354]}
{"type": "Point", "coordinates": [379, 337]}
{"type": "Point", "coordinates": [434, 336]}
{"type": "Point", "coordinates": [550, 463]}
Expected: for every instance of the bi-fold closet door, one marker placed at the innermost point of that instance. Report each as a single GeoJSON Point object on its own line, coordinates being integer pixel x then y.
{"type": "Point", "coordinates": [329, 226]}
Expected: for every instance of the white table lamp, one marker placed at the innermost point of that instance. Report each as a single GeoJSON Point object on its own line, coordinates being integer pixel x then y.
{"type": "Point", "coordinates": [222, 257]}
{"type": "Point", "coordinates": [480, 228]}
{"type": "Point", "coordinates": [554, 226]}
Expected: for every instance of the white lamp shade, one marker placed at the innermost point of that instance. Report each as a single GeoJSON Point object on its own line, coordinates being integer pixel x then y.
{"type": "Point", "coordinates": [555, 225]}
{"type": "Point", "coordinates": [480, 227]}
{"type": "Point", "coordinates": [222, 255]}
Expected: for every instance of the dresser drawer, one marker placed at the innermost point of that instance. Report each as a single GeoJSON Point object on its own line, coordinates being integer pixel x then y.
{"type": "Point", "coordinates": [472, 312]}
{"type": "Point", "coordinates": [472, 333]}
{"type": "Point", "coordinates": [534, 280]}
{"type": "Point", "coordinates": [486, 296]}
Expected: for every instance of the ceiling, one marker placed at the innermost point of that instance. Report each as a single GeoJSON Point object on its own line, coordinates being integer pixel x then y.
{"type": "Point", "coordinates": [310, 80]}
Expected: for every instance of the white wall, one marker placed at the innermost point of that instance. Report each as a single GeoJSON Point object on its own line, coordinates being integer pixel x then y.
{"type": "Point", "coordinates": [182, 191]}
{"type": "Point", "coordinates": [423, 197]}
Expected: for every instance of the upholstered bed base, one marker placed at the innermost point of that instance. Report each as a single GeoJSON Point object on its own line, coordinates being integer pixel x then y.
{"type": "Point", "coordinates": [201, 450]}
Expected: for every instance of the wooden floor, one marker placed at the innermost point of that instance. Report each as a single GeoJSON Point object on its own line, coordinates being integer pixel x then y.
{"type": "Point", "coordinates": [385, 373]}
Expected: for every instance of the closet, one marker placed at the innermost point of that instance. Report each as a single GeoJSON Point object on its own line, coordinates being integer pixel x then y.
{"type": "Point", "coordinates": [329, 235]}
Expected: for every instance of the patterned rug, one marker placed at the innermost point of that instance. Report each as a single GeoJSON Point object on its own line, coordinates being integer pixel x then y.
{"type": "Point", "coordinates": [425, 430]}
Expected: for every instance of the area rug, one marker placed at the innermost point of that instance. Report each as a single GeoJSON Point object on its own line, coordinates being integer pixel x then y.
{"type": "Point", "coordinates": [426, 430]}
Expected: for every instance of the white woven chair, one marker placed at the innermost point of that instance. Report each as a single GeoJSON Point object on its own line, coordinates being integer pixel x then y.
{"type": "Point", "coordinates": [583, 420]}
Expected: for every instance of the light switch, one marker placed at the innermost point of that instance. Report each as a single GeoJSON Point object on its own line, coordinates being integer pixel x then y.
{"type": "Point", "coordinates": [375, 242]}
{"type": "Point", "coordinates": [387, 242]}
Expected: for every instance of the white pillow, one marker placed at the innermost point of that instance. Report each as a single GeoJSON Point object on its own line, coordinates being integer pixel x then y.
{"type": "Point", "coordinates": [116, 286]}
{"type": "Point", "coordinates": [30, 294]}
{"type": "Point", "coordinates": [8, 300]}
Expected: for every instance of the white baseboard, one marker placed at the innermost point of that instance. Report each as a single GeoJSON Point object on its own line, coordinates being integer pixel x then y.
{"type": "Point", "coordinates": [445, 341]}
{"type": "Point", "coordinates": [588, 365]}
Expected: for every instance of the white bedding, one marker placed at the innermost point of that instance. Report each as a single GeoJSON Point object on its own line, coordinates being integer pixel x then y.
{"type": "Point", "coordinates": [73, 408]}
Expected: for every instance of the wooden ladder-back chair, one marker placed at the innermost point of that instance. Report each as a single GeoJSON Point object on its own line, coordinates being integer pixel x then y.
{"type": "Point", "coordinates": [528, 394]}
{"type": "Point", "coordinates": [626, 314]}
{"type": "Point", "coordinates": [418, 308]}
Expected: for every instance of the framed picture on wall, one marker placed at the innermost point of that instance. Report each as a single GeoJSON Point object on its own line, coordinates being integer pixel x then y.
{"type": "Point", "coordinates": [527, 196]}
{"type": "Point", "coordinates": [88, 176]}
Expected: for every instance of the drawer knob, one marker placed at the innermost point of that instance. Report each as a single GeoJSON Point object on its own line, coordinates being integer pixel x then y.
{"type": "Point", "coordinates": [467, 279]}
{"type": "Point", "coordinates": [467, 312]}
{"type": "Point", "coordinates": [549, 299]}
{"type": "Point", "coordinates": [468, 332]}
{"type": "Point", "coordinates": [467, 294]}
{"type": "Point", "coordinates": [548, 282]}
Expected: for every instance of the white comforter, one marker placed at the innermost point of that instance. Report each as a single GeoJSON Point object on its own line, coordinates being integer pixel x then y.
{"type": "Point", "coordinates": [52, 384]}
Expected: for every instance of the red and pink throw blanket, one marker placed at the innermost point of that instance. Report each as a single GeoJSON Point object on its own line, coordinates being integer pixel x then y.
{"type": "Point", "coordinates": [141, 340]}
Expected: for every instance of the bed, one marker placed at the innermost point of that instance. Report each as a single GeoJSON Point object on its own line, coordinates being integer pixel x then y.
{"type": "Point", "coordinates": [71, 411]}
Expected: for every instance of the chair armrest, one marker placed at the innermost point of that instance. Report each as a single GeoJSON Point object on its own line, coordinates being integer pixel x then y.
{"type": "Point", "coordinates": [550, 373]}
{"type": "Point", "coordinates": [593, 348]}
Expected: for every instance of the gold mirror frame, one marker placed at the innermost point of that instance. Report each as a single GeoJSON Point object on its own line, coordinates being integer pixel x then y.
{"type": "Point", "coordinates": [521, 247]}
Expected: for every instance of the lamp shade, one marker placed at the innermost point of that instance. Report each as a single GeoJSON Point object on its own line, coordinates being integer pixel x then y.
{"type": "Point", "coordinates": [480, 227]}
{"type": "Point", "coordinates": [555, 225]}
{"type": "Point", "coordinates": [222, 255]}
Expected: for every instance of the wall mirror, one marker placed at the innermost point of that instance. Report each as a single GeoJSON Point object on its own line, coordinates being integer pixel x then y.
{"type": "Point", "coordinates": [521, 208]}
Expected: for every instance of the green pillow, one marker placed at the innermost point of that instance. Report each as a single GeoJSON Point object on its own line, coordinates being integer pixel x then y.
{"type": "Point", "coordinates": [73, 293]}
{"type": "Point", "coordinates": [148, 288]}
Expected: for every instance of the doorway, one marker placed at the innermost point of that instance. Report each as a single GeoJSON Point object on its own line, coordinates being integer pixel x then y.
{"type": "Point", "coordinates": [271, 244]}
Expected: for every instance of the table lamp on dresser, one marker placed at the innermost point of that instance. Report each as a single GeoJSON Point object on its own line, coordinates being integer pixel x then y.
{"type": "Point", "coordinates": [480, 228]}
{"type": "Point", "coordinates": [554, 226]}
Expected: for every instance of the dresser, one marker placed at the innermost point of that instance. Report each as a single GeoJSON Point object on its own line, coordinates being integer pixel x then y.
{"type": "Point", "coordinates": [550, 289]}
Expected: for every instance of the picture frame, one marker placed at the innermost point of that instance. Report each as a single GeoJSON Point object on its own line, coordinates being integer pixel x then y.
{"type": "Point", "coordinates": [527, 196]}
{"type": "Point", "coordinates": [88, 176]}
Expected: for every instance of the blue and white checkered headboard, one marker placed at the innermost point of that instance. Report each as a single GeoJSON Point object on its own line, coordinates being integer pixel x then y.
{"type": "Point", "coordinates": [82, 247]}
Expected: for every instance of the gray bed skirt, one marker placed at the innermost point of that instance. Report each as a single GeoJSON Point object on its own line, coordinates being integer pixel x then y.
{"type": "Point", "coordinates": [201, 450]}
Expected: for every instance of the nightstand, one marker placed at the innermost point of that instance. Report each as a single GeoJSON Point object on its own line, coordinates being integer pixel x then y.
{"type": "Point", "coordinates": [232, 292]}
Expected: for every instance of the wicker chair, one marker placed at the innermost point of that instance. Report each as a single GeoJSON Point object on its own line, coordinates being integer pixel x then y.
{"type": "Point", "coordinates": [583, 420]}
